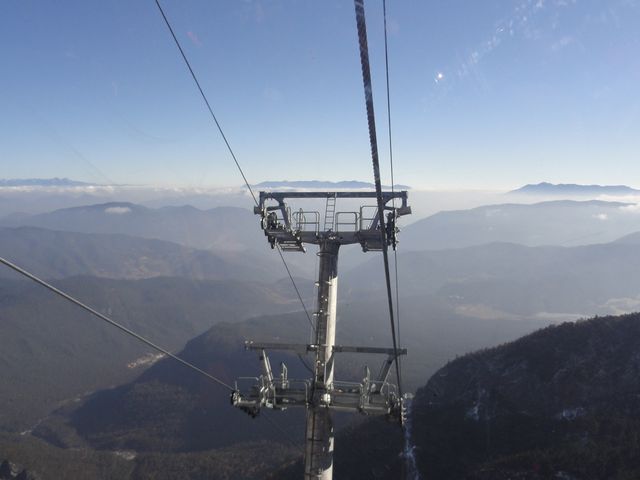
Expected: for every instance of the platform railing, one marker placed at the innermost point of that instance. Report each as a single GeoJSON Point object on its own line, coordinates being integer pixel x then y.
{"type": "Point", "coordinates": [302, 223]}
{"type": "Point", "coordinates": [368, 216]}
{"type": "Point", "coordinates": [350, 224]}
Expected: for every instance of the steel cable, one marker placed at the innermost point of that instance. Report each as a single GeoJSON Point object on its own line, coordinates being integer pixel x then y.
{"type": "Point", "coordinates": [228, 145]}
{"type": "Point", "coordinates": [373, 140]}
{"type": "Point", "coordinates": [393, 188]}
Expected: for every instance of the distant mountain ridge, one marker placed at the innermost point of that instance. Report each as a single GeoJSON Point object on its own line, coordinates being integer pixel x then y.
{"type": "Point", "coordinates": [317, 184]}
{"type": "Point", "coordinates": [590, 279]}
{"type": "Point", "coordinates": [631, 239]}
{"type": "Point", "coordinates": [220, 228]}
{"type": "Point", "coordinates": [59, 254]}
{"type": "Point", "coordinates": [545, 188]}
{"type": "Point", "coordinates": [42, 182]}
{"type": "Point", "coordinates": [558, 222]}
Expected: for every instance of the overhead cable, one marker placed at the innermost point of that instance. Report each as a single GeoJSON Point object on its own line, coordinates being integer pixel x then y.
{"type": "Point", "coordinates": [135, 335]}
{"type": "Point", "coordinates": [295, 287]}
{"type": "Point", "coordinates": [373, 140]}
{"type": "Point", "coordinates": [204, 97]}
{"type": "Point", "coordinates": [393, 187]}
{"type": "Point", "coordinates": [224, 137]}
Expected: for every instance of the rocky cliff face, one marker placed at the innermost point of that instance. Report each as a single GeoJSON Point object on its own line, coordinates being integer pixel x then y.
{"type": "Point", "coordinates": [562, 402]}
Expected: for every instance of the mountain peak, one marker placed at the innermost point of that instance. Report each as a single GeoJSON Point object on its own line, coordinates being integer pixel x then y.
{"type": "Point", "coordinates": [546, 188]}
{"type": "Point", "coordinates": [42, 182]}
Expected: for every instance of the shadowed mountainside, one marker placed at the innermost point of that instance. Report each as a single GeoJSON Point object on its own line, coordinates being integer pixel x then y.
{"type": "Point", "coordinates": [559, 403]}
{"type": "Point", "coordinates": [370, 448]}
{"type": "Point", "coordinates": [249, 461]}
{"type": "Point", "coordinates": [170, 409]}
{"type": "Point", "coordinates": [51, 350]}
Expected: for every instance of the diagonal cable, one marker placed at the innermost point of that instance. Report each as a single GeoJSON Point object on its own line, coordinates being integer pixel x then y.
{"type": "Point", "coordinates": [295, 287]}
{"type": "Point", "coordinates": [226, 142]}
{"type": "Point", "coordinates": [135, 335]}
{"type": "Point", "coordinates": [393, 188]}
{"type": "Point", "coordinates": [111, 322]}
{"type": "Point", "coordinates": [204, 97]}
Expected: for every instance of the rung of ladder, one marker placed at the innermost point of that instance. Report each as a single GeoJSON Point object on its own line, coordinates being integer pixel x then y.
{"type": "Point", "coordinates": [330, 213]}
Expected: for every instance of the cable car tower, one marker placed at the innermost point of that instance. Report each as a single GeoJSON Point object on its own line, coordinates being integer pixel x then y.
{"type": "Point", "coordinates": [290, 231]}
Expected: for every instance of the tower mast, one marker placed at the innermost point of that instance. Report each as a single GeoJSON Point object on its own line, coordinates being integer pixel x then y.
{"type": "Point", "coordinates": [319, 429]}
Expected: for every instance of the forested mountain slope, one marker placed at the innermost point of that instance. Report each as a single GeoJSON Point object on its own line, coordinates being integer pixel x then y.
{"type": "Point", "coordinates": [563, 402]}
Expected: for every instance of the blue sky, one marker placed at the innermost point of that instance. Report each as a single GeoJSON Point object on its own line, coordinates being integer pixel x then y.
{"type": "Point", "coordinates": [485, 94]}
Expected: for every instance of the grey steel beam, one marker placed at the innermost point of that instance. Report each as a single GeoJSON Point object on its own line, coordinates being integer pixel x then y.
{"type": "Point", "coordinates": [293, 347]}
{"type": "Point", "coordinates": [282, 195]}
{"type": "Point", "coordinates": [383, 350]}
{"type": "Point", "coordinates": [306, 348]}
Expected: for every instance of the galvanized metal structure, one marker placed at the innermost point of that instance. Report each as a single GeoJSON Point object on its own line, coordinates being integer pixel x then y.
{"type": "Point", "coordinates": [291, 230]}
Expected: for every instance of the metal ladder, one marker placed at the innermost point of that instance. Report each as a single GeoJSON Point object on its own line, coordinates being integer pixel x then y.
{"type": "Point", "coordinates": [330, 213]}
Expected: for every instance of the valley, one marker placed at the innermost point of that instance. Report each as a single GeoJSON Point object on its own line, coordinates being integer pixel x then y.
{"type": "Point", "coordinates": [143, 412]}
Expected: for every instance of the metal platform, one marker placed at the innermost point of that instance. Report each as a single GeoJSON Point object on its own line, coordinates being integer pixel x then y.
{"type": "Point", "coordinates": [292, 229]}
{"type": "Point", "coordinates": [370, 396]}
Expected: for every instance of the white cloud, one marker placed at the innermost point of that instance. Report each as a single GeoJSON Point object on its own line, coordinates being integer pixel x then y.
{"type": "Point", "coordinates": [620, 306]}
{"type": "Point", "coordinates": [117, 210]}
{"type": "Point", "coordinates": [635, 208]}
{"type": "Point", "coordinates": [86, 189]}
{"type": "Point", "coordinates": [517, 22]}
{"type": "Point", "coordinates": [194, 38]}
{"type": "Point", "coordinates": [601, 216]}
